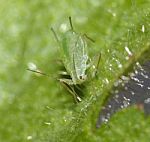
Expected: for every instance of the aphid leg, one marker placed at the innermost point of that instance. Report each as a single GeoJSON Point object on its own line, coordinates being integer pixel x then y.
{"type": "Point", "coordinates": [67, 81]}
{"type": "Point", "coordinates": [37, 71]}
{"type": "Point", "coordinates": [93, 67]}
{"type": "Point", "coordinates": [69, 89]}
{"type": "Point", "coordinates": [78, 87]}
{"type": "Point", "coordinates": [89, 38]}
{"type": "Point", "coordinates": [68, 84]}
{"type": "Point", "coordinates": [77, 97]}
{"type": "Point", "coordinates": [58, 61]}
{"type": "Point", "coordinates": [97, 65]}
{"type": "Point", "coordinates": [63, 73]}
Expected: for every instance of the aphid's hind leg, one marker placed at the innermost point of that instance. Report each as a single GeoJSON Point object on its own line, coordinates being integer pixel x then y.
{"type": "Point", "coordinates": [38, 72]}
{"type": "Point", "coordinates": [67, 81]}
{"type": "Point", "coordinates": [68, 84]}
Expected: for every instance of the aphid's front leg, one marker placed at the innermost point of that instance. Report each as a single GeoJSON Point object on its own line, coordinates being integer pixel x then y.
{"type": "Point", "coordinates": [89, 38]}
{"type": "Point", "coordinates": [69, 85]}
{"type": "Point", "coordinates": [67, 81]}
{"type": "Point", "coordinates": [63, 73]}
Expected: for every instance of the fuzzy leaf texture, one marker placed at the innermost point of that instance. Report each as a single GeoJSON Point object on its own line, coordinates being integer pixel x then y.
{"type": "Point", "coordinates": [37, 108]}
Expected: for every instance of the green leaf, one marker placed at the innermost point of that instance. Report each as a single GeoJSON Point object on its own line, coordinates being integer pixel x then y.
{"type": "Point", "coordinates": [37, 108]}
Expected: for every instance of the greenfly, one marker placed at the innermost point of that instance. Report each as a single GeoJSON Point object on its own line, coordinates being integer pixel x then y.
{"type": "Point", "coordinates": [74, 51]}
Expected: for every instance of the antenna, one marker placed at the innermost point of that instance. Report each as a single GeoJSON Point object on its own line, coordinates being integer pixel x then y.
{"type": "Point", "coordinates": [70, 21]}
{"type": "Point", "coordinates": [39, 72]}
{"type": "Point", "coordinates": [55, 35]}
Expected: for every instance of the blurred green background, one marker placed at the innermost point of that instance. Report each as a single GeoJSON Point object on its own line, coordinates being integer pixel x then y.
{"type": "Point", "coordinates": [36, 108]}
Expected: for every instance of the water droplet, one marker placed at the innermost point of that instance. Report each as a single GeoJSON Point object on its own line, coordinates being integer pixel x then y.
{"type": "Point", "coordinates": [147, 100]}
{"type": "Point", "coordinates": [79, 99]}
{"type": "Point", "coordinates": [131, 74]}
{"type": "Point", "coordinates": [128, 51]}
{"type": "Point", "coordinates": [138, 65]}
{"type": "Point", "coordinates": [141, 85]}
{"type": "Point", "coordinates": [116, 83]}
{"type": "Point", "coordinates": [126, 103]}
{"type": "Point", "coordinates": [29, 137]}
{"type": "Point", "coordinates": [106, 81]}
{"type": "Point", "coordinates": [114, 14]}
{"type": "Point", "coordinates": [133, 93]}
{"type": "Point", "coordinates": [110, 68]}
{"type": "Point", "coordinates": [136, 72]}
{"type": "Point", "coordinates": [65, 119]}
{"type": "Point", "coordinates": [47, 123]}
{"type": "Point", "coordinates": [105, 120]}
{"type": "Point", "coordinates": [127, 57]}
{"type": "Point", "coordinates": [118, 63]}
{"type": "Point", "coordinates": [143, 28]}
{"type": "Point", "coordinates": [145, 76]}
{"type": "Point", "coordinates": [122, 84]}
{"type": "Point", "coordinates": [136, 79]}
{"type": "Point", "coordinates": [125, 78]}
{"type": "Point", "coordinates": [93, 67]}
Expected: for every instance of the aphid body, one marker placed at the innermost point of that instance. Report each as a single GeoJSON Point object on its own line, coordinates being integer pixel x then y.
{"type": "Point", "coordinates": [75, 56]}
{"type": "Point", "coordinates": [75, 59]}
{"type": "Point", "coordinates": [73, 49]}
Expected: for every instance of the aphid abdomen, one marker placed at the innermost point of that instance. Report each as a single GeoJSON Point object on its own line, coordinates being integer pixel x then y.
{"type": "Point", "coordinates": [68, 53]}
{"type": "Point", "coordinates": [80, 58]}
{"type": "Point", "coordinates": [81, 66]}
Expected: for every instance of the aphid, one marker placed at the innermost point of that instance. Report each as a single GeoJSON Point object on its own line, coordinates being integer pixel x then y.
{"type": "Point", "coordinates": [78, 66]}
{"type": "Point", "coordinates": [75, 59]}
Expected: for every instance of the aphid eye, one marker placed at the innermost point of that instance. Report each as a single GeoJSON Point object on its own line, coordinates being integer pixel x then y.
{"type": "Point", "coordinates": [80, 77]}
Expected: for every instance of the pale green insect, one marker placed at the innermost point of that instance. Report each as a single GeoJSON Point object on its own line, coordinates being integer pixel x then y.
{"type": "Point", "coordinates": [73, 48]}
